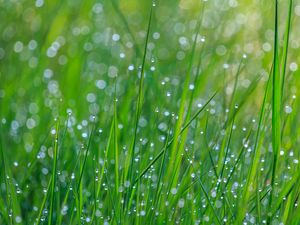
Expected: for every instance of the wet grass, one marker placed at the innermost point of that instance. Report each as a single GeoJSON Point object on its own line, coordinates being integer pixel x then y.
{"type": "Point", "coordinates": [155, 112]}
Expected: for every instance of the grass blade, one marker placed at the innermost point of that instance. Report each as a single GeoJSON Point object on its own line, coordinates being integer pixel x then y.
{"type": "Point", "coordinates": [53, 177]}
{"type": "Point", "coordinates": [276, 108]}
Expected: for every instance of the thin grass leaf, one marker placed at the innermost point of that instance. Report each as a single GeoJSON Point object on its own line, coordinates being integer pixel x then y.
{"type": "Point", "coordinates": [254, 161]}
{"type": "Point", "coordinates": [39, 216]}
{"type": "Point", "coordinates": [139, 100]}
{"type": "Point", "coordinates": [53, 177]}
{"type": "Point", "coordinates": [286, 44]}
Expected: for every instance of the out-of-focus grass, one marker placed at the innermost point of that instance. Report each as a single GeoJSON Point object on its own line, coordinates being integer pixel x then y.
{"type": "Point", "coordinates": [170, 112]}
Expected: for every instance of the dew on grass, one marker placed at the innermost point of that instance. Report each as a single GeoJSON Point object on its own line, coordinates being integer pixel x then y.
{"type": "Point", "coordinates": [143, 213]}
{"type": "Point", "coordinates": [39, 3]}
{"type": "Point", "coordinates": [225, 66]}
{"type": "Point", "coordinates": [97, 8]}
{"type": "Point", "coordinates": [267, 47]}
{"type": "Point", "coordinates": [156, 35]}
{"type": "Point", "coordinates": [293, 66]}
{"type": "Point", "coordinates": [129, 44]}
{"type": "Point", "coordinates": [180, 55]}
{"type": "Point", "coordinates": [64, 210]}
{"type": "Point", "coordinates": [206, 218]}
{"type": "Point", "coordinates": [52, 50]}
{"type": "Point", "coordinates": [131, 67]}
{"type": "Point", "coordinates": [48, 73]}
{"type": "Point", "coordinates": [218, 204]}
{"type": "Point", "coordinates": [221, 50]}
{"type": "Point", "coordinates": [62, 60]}
{"type": "Point", "coordinates": [53, 87]}
{"type": "Point", "coordinates": [45, 171]}
{"type": "Point", "coordinates": [115, 37]}
{"type": "Point", "coordinates": [14, 124]}
{"type": "Point", "coordinates": [32, 44]}
{"type": "Point", "coordinates": [84, 135]}
{"type": "Point", "coordinates": [31, 123]}
{"type": "Point", "coordinates": [213, 193]}
{"type": "Point", "coordinates": [181, 203]}
{"type": "Point", "coordinates": [288, 109]}
{"type": "Point", "coordinates": [166, 113]}
{"type": "Point", "coordinates": [18, 219]}
{"type": "Point", "coordinates": [18, 191]}
{"type": "Point", "coordinates": [18, 47]}
{"type": "Point", "coordinates": [281, 152]}
{"type": "Point", "coordinates": [122, 55]}
{"type": "Point", "coordinates": [91, 97]}
{"type": "Point", "coordinates": [112, 71]}
{"type": "Point", "coordinates": [173, 191]}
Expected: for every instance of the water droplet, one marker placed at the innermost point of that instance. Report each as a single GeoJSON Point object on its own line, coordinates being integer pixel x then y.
{"type": "Point", "coordinates": [288, 109]}
{"type": "Point", "coordinates": [115, 37]}
{"type": "Point", "coordinates": [293, 66]}
{"type": "Point", "coordinates": [18, 47]}
{"type": "Point", "coordinates": [18, 219]}
{"type": "Point", "coordinates": [173, 191]}
{"type": "Point", "coordinates": [181, 203]}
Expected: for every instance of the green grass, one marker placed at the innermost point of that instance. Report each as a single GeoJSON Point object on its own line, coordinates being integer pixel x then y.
{"type": "Point", "coordinates": [149, 112]}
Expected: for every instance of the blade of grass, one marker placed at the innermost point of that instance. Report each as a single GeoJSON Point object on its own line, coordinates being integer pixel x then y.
{"type": "Point", "coordinates": [53, 176]}
{"type": "Point", "coordinates": [103, 166]}
{"type": "Point", "coordinates": [130, 159]}
{"type": "Point", "coordinates": [254, 161]}
{"type": "Point", "coordinates": [140, 98]}
{"type": "Point", "coordinates": [82, 168]}
{"type": "Point", "coordinates": [69, 188]}
{"type": "Point", "coordinates": [13, 207]}
{"type": "Point", "coordinates": [162, 165]}
{"type": "Point", "coordinates": [176, 151]}
{"type": "Point", "coordinates": [286, 44]}
{"type": "Point", "coordinates": [276, 109]}
{"type": "Point", "coordinates": [116, 155]}
{"type": "Point", "coordinates": [85, 156]}
{"type": "Point", "coordinates": [284, 193]}
{"type": "Point", "coordinates": [38, 218]}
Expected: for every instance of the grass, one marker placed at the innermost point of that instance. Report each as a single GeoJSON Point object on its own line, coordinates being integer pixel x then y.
{"type": "Point", "coordinates": [149, 112]}
{"type": "Point", "coordinates": [53, 177]}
